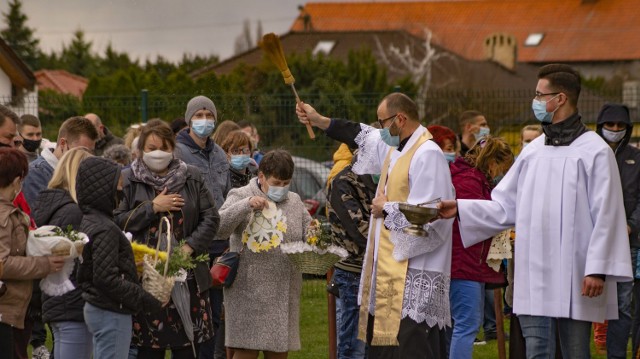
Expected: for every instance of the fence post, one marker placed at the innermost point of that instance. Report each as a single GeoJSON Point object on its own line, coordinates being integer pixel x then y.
{"type": "Point", "coordinates": [144, 103]}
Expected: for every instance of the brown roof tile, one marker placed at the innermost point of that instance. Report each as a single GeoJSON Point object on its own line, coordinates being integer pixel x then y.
{"type": "Point", "coordinates": [61, 81]}
{"type": "Point", "coordinates": [603, 30]}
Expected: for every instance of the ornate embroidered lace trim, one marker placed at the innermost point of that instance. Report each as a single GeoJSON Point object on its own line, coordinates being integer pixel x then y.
{"type": "Point", "coordinates": [405, 245]}
{"type": "Point", "coordinates": [426, 297]}
{"type": "Point", "coordinates": [367, 162]}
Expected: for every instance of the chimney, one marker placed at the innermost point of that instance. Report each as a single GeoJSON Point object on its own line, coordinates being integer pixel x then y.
{"type": "Point", "coordinates": [502, 49]}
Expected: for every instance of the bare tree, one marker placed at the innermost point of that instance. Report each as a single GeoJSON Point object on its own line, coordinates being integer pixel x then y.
{"type": "Point", "coordinates": [244, 41]}
{"type": "Point", "coordinates": [259, 31]}
{"type": "Point", "coordinates": [418, 63]}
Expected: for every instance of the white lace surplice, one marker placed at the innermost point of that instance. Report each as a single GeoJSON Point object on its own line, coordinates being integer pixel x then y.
{"type": "Point", "coordinates": [426, 295]}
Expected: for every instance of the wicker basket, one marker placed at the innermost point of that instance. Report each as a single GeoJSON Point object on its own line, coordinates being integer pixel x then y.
{"type": "Point", "coordinates": [158, 285]}
{"type": "Point", "coordinates": [313, 263]}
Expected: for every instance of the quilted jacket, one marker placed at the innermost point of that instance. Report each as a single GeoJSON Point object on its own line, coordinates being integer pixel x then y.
{"type": "Point", "coordinates": [107, 274]}
{"type": "Point", "coordinates": [55, 207]}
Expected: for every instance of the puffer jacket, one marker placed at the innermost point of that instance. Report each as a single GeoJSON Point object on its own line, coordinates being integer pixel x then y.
{"type": "Point", "coordinates": [200, 219]}
{"type": "Point", "coordinates": [107, 274]}
{"type": "Point", "coordinates": [18, 271]}
{"type": "Point", "coordinates": [55, 207]}
{"type": "Point", "coordinates": [628, 159]}
{"type": "Point", "coordinates": [471, 263]}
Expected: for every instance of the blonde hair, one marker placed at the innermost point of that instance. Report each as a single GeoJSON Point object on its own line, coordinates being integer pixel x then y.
{"type": "Point", "coordinates": [490, 149]}
{"type": "Point", "coordinates": [64, 176]}
{"type": "Point", "coordinates": [537, 128]}
{"type": "Point", "coordinates": [132, 132]}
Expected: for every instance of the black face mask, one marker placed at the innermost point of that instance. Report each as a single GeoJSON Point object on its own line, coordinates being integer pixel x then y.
{"type": "Point", "coordinates": [31, 145]}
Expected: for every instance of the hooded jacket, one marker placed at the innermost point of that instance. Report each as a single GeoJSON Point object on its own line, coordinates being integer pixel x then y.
{"type": "Point", "coordinates": [55, 207]}
{"type": "Point", "coordinates": [107, 274]}
{"type": "Point", "coordinates": [471, 263]}
{"type": "Point", "coordinates": [628, 159]}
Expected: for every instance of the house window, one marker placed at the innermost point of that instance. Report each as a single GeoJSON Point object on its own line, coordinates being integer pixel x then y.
{"type": "Point", "coordinates": [534, 39]}
{"type": "Point", "coordinates": [324, 46]}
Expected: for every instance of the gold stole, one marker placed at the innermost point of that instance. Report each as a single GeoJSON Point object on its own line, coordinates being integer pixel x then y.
{"type": "Point", "coordinates": [390, 274]}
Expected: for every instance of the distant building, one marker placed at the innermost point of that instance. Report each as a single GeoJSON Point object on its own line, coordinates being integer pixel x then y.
{"type": "Point", "coordinates": [18, 88]}
{"type": "Point", "coordinates": [598, 37]}
{"type": "Point", "coordinates": [62, 82]}
{"type": "Point", "coordinates": [451, 72]}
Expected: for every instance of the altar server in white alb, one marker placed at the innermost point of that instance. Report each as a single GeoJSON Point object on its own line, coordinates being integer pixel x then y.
{"type": "Point", "coordinates": [404, 289]}
{"type": "Point", "coordinates": [564, 197]}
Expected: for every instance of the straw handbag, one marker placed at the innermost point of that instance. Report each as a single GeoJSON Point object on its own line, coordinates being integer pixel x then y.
{"type": "Point", "coordinates": [158, 285]}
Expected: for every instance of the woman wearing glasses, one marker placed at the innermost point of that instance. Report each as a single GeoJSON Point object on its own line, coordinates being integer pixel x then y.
{"type": "Point", "coordinates": [237, 146]}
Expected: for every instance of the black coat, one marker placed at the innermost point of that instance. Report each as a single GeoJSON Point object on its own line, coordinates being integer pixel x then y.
{"type": "Point", "coordinates": [108, 273]}
{"type": "Point", "coordinates": [55, 207]}
{"type": "Point", "coordinates": [200, 216]}
{"type": "Point", "coordinates": [628, 159]}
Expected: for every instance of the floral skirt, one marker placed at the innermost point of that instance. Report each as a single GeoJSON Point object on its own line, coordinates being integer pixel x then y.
{"type": "Point", "coordinates": [164, 329]}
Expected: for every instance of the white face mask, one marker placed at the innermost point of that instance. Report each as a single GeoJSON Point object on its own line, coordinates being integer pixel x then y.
{"type": "Point", "coordinates": [157, 160]}
{"type": "Point", "coordinates": [613, 136]}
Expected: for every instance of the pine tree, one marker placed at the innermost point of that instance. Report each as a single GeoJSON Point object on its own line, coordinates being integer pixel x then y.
{"type": "Point", "coordinates": [77, 55]}
{"type": "Point", "coordinates": [19, 36]}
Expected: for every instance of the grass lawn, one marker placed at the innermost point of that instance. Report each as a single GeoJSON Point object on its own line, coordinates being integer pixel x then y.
{"type": "Point", "coordinates": [314, 328]}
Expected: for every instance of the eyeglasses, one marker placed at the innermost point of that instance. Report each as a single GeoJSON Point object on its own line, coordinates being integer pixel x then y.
{"type": "Point", "coordinates": [540, 94]}
{"type": "Point", "coordinates": [382, 122]}
{"type": "Point", "coordinates": [240, 151]}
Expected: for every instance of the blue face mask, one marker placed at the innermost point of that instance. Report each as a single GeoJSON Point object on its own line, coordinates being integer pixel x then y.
{"type": "Point", "coordinates": [203, 128]}
{"type": "Point", "coordinates": [393, 141]}
{"type": "Point", "coordinates": [450, 156]}
{"type": "Point", "coordinates": [277, 194]}
{"type": "Point", "coordinates": [483, 132]}
{"type": "Point", "coordinates": [239, 162]}
{"type": "Point", "coordinates": [540, 110]}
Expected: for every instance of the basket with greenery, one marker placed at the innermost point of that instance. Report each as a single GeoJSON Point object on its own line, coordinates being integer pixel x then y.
{"type": "Point", "coordinates": [316, 254]}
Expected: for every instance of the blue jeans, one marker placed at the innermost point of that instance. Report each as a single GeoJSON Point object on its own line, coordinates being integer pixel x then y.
{"type": "Point", "coordinates": [467, 299]}
{"type": "Point", "coordinates": [111, 332]}
{"type": "Point", "coordinates": [71, 340]}
{"type": "Point", "coordinates": [347, 314]}
{"type": "Point", "coordinates": [618, 330]}
{"type": "Point", "coordinates": [540, 337]}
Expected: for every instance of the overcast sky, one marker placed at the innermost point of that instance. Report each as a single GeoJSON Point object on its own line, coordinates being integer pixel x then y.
{"type": "Point", "coordinates": [145, 28]}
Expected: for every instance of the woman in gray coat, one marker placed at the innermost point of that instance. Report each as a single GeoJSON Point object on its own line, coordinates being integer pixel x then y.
{"type": "Point", "coordinates": [262, 306]}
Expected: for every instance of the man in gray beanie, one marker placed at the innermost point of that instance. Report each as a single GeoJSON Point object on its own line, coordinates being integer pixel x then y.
{"type": "Point", "coordinates": [195, 147]}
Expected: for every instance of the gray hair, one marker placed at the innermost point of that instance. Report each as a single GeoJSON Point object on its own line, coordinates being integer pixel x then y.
{"type": "Point", "coordinates": [118, 153]}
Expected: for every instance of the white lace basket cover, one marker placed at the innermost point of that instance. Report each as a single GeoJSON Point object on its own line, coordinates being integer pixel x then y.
{"type": "Point", "coordinates": [45, 242]}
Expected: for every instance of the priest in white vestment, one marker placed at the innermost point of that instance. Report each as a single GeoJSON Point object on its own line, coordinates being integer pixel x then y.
{"type": "Point", "coordinates": [404, 289]}
{"type": "Point", "coordinates": [564, 197]}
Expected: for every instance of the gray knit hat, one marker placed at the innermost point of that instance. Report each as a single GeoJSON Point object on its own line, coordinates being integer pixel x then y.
{"type": "Point", "coordinates": [198, 103]}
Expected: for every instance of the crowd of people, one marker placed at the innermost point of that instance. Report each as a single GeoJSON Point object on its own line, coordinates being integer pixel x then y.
{"type": "Point", "coordinates": [556, 226]}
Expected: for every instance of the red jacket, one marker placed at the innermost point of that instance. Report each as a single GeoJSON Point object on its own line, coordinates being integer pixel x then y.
{"type": "Point", "coordinates": [21, 202]}
{"type": "Point", "coordinates": [471, 263]}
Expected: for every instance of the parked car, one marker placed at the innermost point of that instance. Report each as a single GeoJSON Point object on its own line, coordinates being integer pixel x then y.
{"type": "Point", "coordinates": [309, 181]}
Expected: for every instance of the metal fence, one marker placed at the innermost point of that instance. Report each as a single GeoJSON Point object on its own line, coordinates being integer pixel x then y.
{"type": "Point", "coordinates": [274, 114]}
